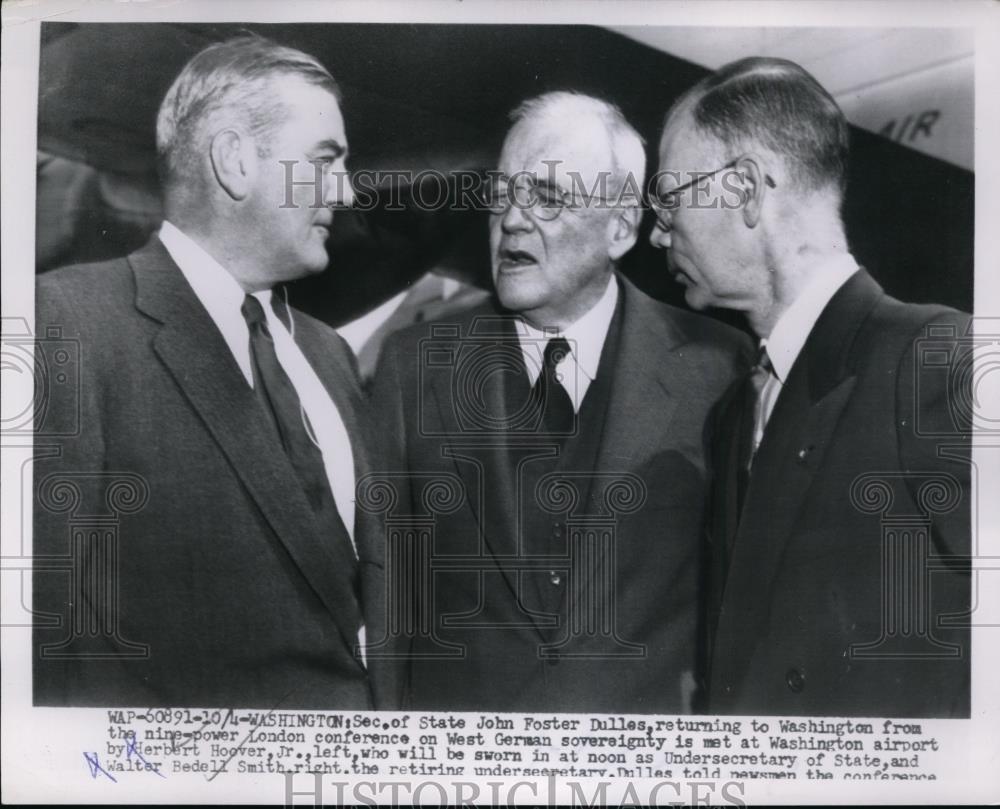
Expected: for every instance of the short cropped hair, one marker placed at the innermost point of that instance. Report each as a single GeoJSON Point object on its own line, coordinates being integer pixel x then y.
{"type": "Point", "coordinates": [779, 105]}
{"type": "Point", "coordinates": [231, 77]}
{"type": "Point", "coordinates": [628, 152]}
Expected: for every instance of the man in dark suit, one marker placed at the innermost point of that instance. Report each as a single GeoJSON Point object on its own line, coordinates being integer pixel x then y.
{"type": "Point", "coordinates": [841, 510]}
{"type": "Point", "coordinates": [563, 431]}
{"type": "Point", "coordinates": [195, 536]}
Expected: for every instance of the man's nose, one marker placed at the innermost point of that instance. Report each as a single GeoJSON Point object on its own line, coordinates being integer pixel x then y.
{"type": "Point", "coordinates": [516, 218]}
{"type": "Point", "coordinates": [659, 236]}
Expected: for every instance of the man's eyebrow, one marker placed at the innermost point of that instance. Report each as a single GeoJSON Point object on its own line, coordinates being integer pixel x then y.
{"type": "Point", "coordinates": [548, 185]}
{"type": "Point", "coordinates": [331, 145]}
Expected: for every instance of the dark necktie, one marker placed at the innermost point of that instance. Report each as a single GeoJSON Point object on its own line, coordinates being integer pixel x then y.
{"type": "Point", "coordinates": [278, 398]}
{"type": "Point", "coordinates": [557, 407]}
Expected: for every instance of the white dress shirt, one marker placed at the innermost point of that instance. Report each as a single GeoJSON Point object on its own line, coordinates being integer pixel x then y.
{"type": "Point", "coordinates": [789, 335]}
{"type": "Point", "coordinates": [222, 298]}
{"type": "Point", "coordinates": [586, 341]}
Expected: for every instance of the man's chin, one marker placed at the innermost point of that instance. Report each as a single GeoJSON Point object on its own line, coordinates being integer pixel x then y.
{"type": "Point", "coordinates": [696, 299]}
{"type": "Point", "coordinates": [315, 263]}
{"type": "Point", "coordinates": [516, 297]}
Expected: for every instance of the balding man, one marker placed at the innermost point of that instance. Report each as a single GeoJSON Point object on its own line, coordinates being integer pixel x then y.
{"type": "Point", "coordinates": [841, 512]}
{"type": "Point", "coordinates": [569, 421]}
{"type": "Point", "coordinates": [218, 429]}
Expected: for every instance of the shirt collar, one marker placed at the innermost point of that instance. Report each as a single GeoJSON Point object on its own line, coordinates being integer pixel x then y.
{"type": "Point", "coordinates": [217, 290]}
{"type": "Point", "coordinates": [585, 336]}
{"type": "Point", "coordinates": [212, 283]}
{"type": "Point", "coordinates": [790, 333]}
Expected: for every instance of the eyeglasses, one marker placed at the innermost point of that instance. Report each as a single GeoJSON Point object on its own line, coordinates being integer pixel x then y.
{"type": "Point", "coordinates": [662, 203]}
{"type": "Point", "coordinates": [542, 200]}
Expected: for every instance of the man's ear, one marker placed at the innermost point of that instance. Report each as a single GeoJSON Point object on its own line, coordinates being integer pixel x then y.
{"type": "Point", "coordinates": [751, 187]}
{"type": "Point", "coordinates": [623, 230]}
{"type": "Point", "coordinates": [230, 155]}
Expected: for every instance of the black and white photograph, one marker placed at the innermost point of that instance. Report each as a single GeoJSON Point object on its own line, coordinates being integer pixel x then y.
{"type": "Point", "coordinates": [598, 401]}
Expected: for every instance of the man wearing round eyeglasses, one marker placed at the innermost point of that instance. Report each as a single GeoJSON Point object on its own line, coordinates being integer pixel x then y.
{"type": "Point", "coordinates": [555, 233]}
{"type": "Point", "coordinates": [569, 418]}
{"type": "Point", "coordinates": [824, 532]}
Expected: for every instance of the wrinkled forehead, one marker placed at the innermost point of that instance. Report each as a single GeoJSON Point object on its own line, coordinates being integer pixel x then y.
{"type": "Point", "coordinates": [560, 148]}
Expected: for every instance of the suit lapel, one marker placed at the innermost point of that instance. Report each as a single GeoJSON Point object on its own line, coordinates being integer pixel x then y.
{"type": "Point", "coordinates": [331, 361]}
{"type": "Point", "coordinates": [191, 347]}
{"type": "Point", "coordinates": [784, 469]}
{"type": "Point", "coordinates": [798, 435]}
{"type": "Point", "coordinates": [724, 499]}
{"type": "Point", "coordinates": [488, 459]}
{"type": "Point", "coordinates": [493, 485]}
{"type": "Point", "coordinates": [644, 393]}
{"type": "Point", "coordinates": [642, 400]}
{"type": "Point", "coordinates": [443, 400]}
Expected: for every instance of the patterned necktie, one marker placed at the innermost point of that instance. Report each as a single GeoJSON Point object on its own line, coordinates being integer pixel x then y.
{"type": "Point", "coordinates": [759, 375]}
{"type": "Point", "coordinates": [557, 407]}
{"type": "Point", "coordinates": [750, 418]}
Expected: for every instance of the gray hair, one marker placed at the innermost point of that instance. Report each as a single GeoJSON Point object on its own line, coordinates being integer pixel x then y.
{"type": "Point", "coordinates": [628, 152]}
{"type": "Point", "coordinates": [233, 78]}
{"type": "Point", "coordinates": [776, 104]}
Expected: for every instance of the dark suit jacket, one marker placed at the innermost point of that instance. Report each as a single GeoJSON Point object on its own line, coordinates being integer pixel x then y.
{"type": "Point", "coordinates": [212, 583]}
{"type": "Point", "coordinates": [670, 367]}
{"type": "Point", "coordinates": [822, 601]}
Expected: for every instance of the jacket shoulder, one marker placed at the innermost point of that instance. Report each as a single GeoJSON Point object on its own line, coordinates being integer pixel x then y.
{"type": "Point", "coordinates": [706, 329]}
{"type": "Point", "coordinates": [94, 281]}
{"type": "Point", "coordinates": [454, 326]}
{"type": "Point", "coordinates": [82, 300]}
{"type": "Point", "coordinates": [692, 329]}
{"type": "Point", "coordinates": [895, 326]}
{"type": "Point", "coordinates": [404, 350]}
